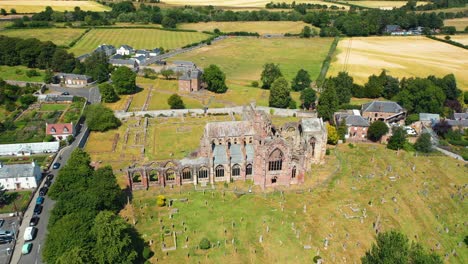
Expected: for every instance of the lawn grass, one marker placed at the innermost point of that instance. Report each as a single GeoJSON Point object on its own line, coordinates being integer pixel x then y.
{"type": "Point", "coordinates": [459, 23]}
{"type": "Point", "coordinates": [18, 73]}
{"type": "Point", "coordinates": [54, 107]}
{"type": "Point", "coordinates": [138, 38]}
{"type": "Point", "coordinates": [261, 27]}
{"type": "Point", "coordinates": [400, 57]}
{"type": "Point", "coordinates": [16, 198]}
{"type": "Point", "coordinates": [343, 208]}
{"type": "Point", "coordinates": [59, 36]}
{"type": "Point", "coordinates": [36, 6]}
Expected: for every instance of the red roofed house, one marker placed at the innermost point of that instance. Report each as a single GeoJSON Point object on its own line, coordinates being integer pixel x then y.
{"type": "Point", "coordinates": [60, 131]}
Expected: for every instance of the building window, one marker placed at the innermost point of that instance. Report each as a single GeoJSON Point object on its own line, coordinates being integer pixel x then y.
{"type": "Point", "coordinates": [236, 170]}
{"type": "Point", "coordinates": [186, 174]}
{"type": "Point", "coordinates": [275, 162]}
{"type": "Point", "coordinates": [312, 144]}
{"type": "Point", "coordinates": [203, 173]}
{"type": "Point", "coordinates": [170, 175]}
{"type": "Point", "coordinates": [248, 169]}
{"type": "Point", "coordinates": [293, 173]}
{"type": "Point", "coordinates": [219, 172]}
{"type": "Point", "coordinates": [153, 175]}
{"type": "Point", "coordinates": [65, 130]}
{"type": "Point", "coordinates": [52, 130]}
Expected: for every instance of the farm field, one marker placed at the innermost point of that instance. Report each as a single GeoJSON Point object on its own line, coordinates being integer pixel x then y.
{"type": "Point", "coordinates": [261, 27]}
{"type": "Point", "coordinates": [245, 63]}
{"type": "Point", "coordinates": [459, 23]}
{"type": "Point", "coordinates": [382, 4]}
{"type": "Point", "coordinates": [137, 38]}
{"type": "Point", "coordinates": [401, 57]}
{"type": "Point", "coordinates": [18, 73]}
{"type": "Point", "coordinates": [463, 39]}
{"type": "Point", "coordinates": [36, 6]}
{"type": "Point", "coordinates": [243, 3]}
{"type": "Point", "coordinates": [67, 35]}
{"type": "Point", "coordinates": [339, 202]}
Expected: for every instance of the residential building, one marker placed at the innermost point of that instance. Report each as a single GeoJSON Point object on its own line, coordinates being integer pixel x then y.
{"type": "Point", "coordinates": [190, 76]}
{"type": "Point", "coordinates": [60, 131]}
{"type": "Point", "coordinates": [155, 52]}
{"type": "Point", "coordinates": [130, 63]}
{"type": "Point", "coordinates": [356, 125]}
{"type": "Point", "coordinates": [109, 50]}
{"type": "Point", "coordinates": [429, 119]}
{"type": "Point", "coordinates": [69, 79]}
{"type": "Point", "coordinates": [20, 176]}
{"type": "Point", "coordinates": [125, 50]}
{"type": "Point", "coordinates": [387, 111]}
{"type": "Point", "coordinates": [251, 149]}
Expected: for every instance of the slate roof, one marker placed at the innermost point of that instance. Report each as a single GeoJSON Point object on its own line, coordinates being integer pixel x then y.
{"type": "Point", "coordinates": [460, 116]}
{"type": "Point", "coordinates": [17, 170]}
{"type": "Point", "coordinates": [455, 123]}
{"type": "Point", "coordinates": [116, 57]}
{"type": "Point", "coordinates": [429, 117]}
{"type": "Point", "coordinates": [392, 28]}
{"type": "Point", "coordinates": [250, 152]}
{"type": "Point", "coordinates": [220, 155]}
{"type": "Point", "coordinates": [73, 76]}
{"type": "Point", "coordinates": [312, 124]}
{"type": "Point", "coordinates": [126, 47]}
{"type": "Point", "coordinates": [236, 154]}
{"type": "Point", "coordinates": [381, 106]}
{"type": "Point", "coordinates": [58, 98]}
{"type": "Point", "coordinates": [122, 62]}
{"type": "Point", "coordinates": [357, 121]}
{"type": "Point", "coordinates": [229, 129]}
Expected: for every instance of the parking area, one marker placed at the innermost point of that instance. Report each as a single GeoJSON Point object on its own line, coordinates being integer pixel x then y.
{"type": "Point", "coordinates": [11, 224]}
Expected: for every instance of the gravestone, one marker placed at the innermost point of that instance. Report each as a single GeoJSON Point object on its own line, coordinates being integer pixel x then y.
{"type": "Point", "coordinates": [260, 239]}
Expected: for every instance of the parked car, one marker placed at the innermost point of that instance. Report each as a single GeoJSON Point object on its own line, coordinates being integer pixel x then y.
{"type": "Point", "coordinates": [37, 209]}
{"type": "Point", "coordinates": [30, 233]}
{"type": "Point", "coordinates": [5, 233]}
{"type": "Point", "coordinates": [6, 240]}
{"type": "Point", "coordinates": [50, 177]}
{"type": "Point", "coordinates": [47, 183]}
{"type": "Point", "coordinates": [65, 93]}
{"type": "Point", "coordinates": [43, 191]}
{"type": "Point", "coordinates": [56, 165]}
{"type": "Point", "coordinates": [26, 249]}
{"type": "Point", "coordinates": [39, 200]}
{"type": "Point", "coordinates": [34, 220]}
{"type": "Point", "coordinates": [2, 221]}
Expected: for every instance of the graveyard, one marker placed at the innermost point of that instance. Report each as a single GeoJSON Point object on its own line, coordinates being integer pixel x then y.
{"type": "Point", "coordinates": [334, 215]}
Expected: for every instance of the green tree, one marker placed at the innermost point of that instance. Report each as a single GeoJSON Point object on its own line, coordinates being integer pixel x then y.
{"type": "Point", "coordinates": [169, 22]}
{"type": "Point", "coordinates": [48, 76]}
{"type": "Point", "coordinates": [3, 195]}
{"type": "Point", "coordinates": [13, 11]}
{"type": "Point", "coordinates": [270, 73]}
{"type": "Point", "coordinates": [306, 32]}
{"type": "Point", "coordinates": [215, 79]}
{"type": "Point", "coordinates": [374, 87]}
{"type": "Point", "coordinates": [423, 143]}
{"type": "Point", "coordinates": [332, 136]}
{"type": "Point", "coordinates": [308, 97]}
{"type": "Point", "coordinates": [398, 139]}
{"type": "Point", "coordinates": [105, 190]}
{"type": "Point", "coordinates": [124, 80]}
{"type": "Point", "coordinates": [74, 256]}
{"type": "Point", "coordinates": [113, 239]}
{"type": "Point", "coordinates": [100, 118]}
{"type": "Point", "coordinates": [27, 99]}
{"type": "Point", "coordinates": [328, 102]}
{"type": "Point", "coordinates": [280, 94]}
{"type": "Point", "coordinates": [3, 12]}
{"type": "Point", "coordinates": [108, 93]}
{"type": "Point", "coordinates": [167, 73]}
{"type": "Point", "coordinates": [394, 247]}
{"type": "Point", "coordinates": [377, 130]}
{"type": "Point", "coordinates": [301, 81]}
{"type": "Point", "coordinates": [205, 244]}
{"type": "Point", "coordinates": [421, 96]}
{"type": "Point", "coordinates": [175, 102]}
{"type": "Point", "coordinates": [97, 66]}
{"type": "Point", "coordinates": [344, 87]}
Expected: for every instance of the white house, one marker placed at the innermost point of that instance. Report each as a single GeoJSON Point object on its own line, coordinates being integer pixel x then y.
{"type": "Point", "coordinates": [20, 176]}
{"type": "Point", "coordinates": [125, 50]}
{"type": "Point", "coordinates": [60, 131]}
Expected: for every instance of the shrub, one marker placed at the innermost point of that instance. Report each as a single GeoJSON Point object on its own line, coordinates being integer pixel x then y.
{"type": "Point", "coordinates": [205, 244]}
{"type": "Point", "coordinates": [398, 139]}
{"type": "Point", "coordinates": [147, 253]}
{"type": "Point", "coordinates": [255, 84]}
{"type": "Point", "coordinates": [423, 143]}
{"type": "Point", "coordinates": [292, 104]}
{"type": "Point", "coordinates": [351, 146]}
{"type": "Point", "coordinates": [411, 119]}
{"type": "Point", "coordinates": [327, 152]}
{"type": "Point", "coordinates": [377, 130]}
{"type": "Point", "coordinates": [175, 102]}
{"type": "Point", "coordinates": [333, 136]}
{"type": "Point", "coordinates": [49, 138]}
{"type": "Point", "coordinates": [317, 258]}
{"type": "Point", "coordinates": [161, 200]}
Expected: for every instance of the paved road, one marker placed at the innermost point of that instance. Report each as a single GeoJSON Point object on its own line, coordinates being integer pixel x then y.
{"type": "Point", "coordinates": [38, 243]}
{"type": "Point", "coordinates": [91, 94]}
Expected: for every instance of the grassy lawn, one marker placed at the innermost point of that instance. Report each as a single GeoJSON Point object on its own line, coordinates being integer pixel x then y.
{"type": "Point", "coordinates": [54, 107]}
{"type": "Point", "coordinates": [20, 198]}
{"type": "Point", "coordinates": [401, 57]}
{"type": "Point", "coordinates": [261, 27]}
{"type": "Point", "coordinates": [67, 35]}
{"type": "Point", "coordinates": [459, 23]}
{"type": "Point", "coordinates": [342, 209]}
{"type": "Point", "coordinates": [36, 6]}
{"type": "Point", "coordinates": [138, 38]}
{"type": "Point", "coordinates": [4, 24]}
{"type": "Point", "coordinates": [18, 73]}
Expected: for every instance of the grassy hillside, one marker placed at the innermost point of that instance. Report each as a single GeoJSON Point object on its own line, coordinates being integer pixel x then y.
{"type": "Point", "coordinates": [356, 188]}
{"type": "Point", "coordinates": [59, 36]}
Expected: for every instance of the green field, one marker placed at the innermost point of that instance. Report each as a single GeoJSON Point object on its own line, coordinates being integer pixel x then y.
{"type": "Point", "coordinates": [242, 62]}
{"type": "Point", "coordinates": [54, 107]}
{"type": "Point", "coordinates": [343, 199]}
{"type": "Point", "coordinates": [138, 38]}
{"type": "Point", "coordinates": [261, 27]}
{"type": "Point", "coordinates": [36, 6]}
{"type": "Point", "coordinates": [18, 73]}
{"type": "Point", "coordinates": [59, 36]}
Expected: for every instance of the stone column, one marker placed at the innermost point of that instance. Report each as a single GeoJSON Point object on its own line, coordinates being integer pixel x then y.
{"type": "Point", "coordinates": [195, 176]}
{"type": "Point", "coordinates": [145, 179]}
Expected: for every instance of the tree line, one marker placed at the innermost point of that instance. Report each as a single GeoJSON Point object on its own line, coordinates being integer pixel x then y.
{"type": "Point", "coordinates": [84, 225]}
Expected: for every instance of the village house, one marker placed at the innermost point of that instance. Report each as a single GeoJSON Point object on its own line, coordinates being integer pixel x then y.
{"type": "Point", "coordinates": [76, 80]}
{"type": "Point", "coordinates": [20, 176]}
{"type": "Point", "coordinates": [109, 50]}
{"type": "Point", "coordinates": [429, 119]}
{"type": "Point", "coordinates": [55, 98]}
{"type": "Point", "coordinates": [389, 112]}
{"type": "Point", "coordinates": [155, 52]}
{"type": "Point", "coordinates": [60, 131]}
{"type": "Point", "coordinates": [125, 50]}
{"type": "Point", "coordinates": [356, 125]}
{"type": "Point", "coordinates": [130, 63]}
{"type": "Point", "coordinates": [251, 149]}
{"type": "Point", "coordinates": [190, 76]}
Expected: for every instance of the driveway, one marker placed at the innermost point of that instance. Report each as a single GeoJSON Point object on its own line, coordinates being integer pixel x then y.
{"type": "Point", "coordinates": [90, 93]}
